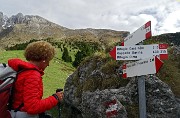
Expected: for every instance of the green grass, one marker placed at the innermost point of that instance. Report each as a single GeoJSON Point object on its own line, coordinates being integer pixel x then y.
{"type": "Point", "coordinates": [55, 75]}
{"type": "Point", "coordinates": [170, 73]}
{"type": "Point", "coordinates": [5, 55]}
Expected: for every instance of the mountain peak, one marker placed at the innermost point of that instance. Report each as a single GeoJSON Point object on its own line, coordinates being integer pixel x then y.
{"type": "Point", "coordinates": [21, 28]}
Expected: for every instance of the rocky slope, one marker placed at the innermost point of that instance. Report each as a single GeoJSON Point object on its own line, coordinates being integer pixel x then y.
{"type": "Point", "coordinates": [96, 90]}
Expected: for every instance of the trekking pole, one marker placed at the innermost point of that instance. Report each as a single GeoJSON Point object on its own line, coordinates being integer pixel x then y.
{"type": "Point", "coordinates": [59, 104]}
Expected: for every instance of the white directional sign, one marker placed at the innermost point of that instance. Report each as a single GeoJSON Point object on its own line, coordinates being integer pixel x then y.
{"type": "Point", "coordinates": [144, 32]}
{"type": "Point", "coordinates": [142, 67]}
{"type": "Point", "coordinates": [138, 52]}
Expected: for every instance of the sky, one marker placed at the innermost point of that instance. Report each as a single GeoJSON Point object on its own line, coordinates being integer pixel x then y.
{"type": "Point", "coordinates": [120, 15]}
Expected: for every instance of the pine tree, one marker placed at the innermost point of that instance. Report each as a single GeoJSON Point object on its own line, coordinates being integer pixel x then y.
{"type": "Point", "coordinates": [78, 58]}
{"type": "Point", "coordinates": [65, 56]}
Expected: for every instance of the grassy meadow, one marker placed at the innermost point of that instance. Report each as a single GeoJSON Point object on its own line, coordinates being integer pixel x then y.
{"type": "Point", "coordinates": [55, 75]}
{"type": "Point", "coordinates": [58, 71]}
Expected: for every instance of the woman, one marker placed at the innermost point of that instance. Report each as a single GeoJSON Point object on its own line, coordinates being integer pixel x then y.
{"type": "Point", "coordinates": [28, 89]}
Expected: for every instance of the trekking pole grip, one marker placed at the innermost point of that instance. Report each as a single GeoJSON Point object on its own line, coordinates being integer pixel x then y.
{"type": "Point", "coordinates": [59, 90]}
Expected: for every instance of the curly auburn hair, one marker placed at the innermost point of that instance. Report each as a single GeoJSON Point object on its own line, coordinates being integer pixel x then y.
{"type": "Point", "coordinates": [39, 51]}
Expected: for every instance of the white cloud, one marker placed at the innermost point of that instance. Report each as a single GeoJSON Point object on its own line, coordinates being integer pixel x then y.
{"type": "Point", "coordinates": [171, 23]}
{"type": "Point", "coordinates": [119, 15]}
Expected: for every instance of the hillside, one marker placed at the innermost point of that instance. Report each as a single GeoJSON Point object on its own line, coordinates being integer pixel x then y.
{"type": "Point", "coordinates": [19, 29]}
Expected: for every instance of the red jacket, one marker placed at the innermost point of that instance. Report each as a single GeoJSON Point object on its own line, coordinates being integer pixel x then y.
{"type": "Point", "coordinates": [28, 88]}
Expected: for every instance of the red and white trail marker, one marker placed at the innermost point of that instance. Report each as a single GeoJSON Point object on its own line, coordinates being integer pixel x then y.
{"type": "Point", "coordinates": [144, 32]}
{"type": "Point", "coordinates": [142, 67]}
{"type": "Point", "coordinates": [137, 52]}
{"type": "Point", "coordinates": [112, 108]}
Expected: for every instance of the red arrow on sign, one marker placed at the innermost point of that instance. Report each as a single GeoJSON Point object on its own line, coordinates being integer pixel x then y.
{"type": "Point", "coordinates": [113, 53]}
{"type": "Point", "coordinates": [158, 64]}
{"type": "Point", "coordinates": [142, 67]}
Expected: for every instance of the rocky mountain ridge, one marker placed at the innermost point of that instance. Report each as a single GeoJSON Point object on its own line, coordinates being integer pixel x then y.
{"type": "Point", "coordinates": [6, 22]}
{"type": "Point", "coordinates": [19, 28]}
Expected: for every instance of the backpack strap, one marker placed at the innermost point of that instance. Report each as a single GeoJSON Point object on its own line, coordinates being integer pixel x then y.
{"type": "Point", "coordinates": [4, 64]}
{"type": "Point", "coordinates": [20, 106]}
{"type": "Point", "coordinates": [5, 83]}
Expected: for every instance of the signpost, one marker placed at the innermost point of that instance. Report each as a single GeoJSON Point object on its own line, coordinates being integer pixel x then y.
{"type": "Point", "coordinates": [142, 97]}
{"type": "Point", "coordinates": [144, 32]}
{"type": "Point", "coordinates": [138, 52]}
{"type": "Point", "coordinates": [149, 59]}
{"type": "Point", "coordinates": [142, 67]}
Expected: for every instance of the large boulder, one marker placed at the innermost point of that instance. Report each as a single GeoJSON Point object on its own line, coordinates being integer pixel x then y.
{"type": "Point", "coordinates": [87, 95]}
